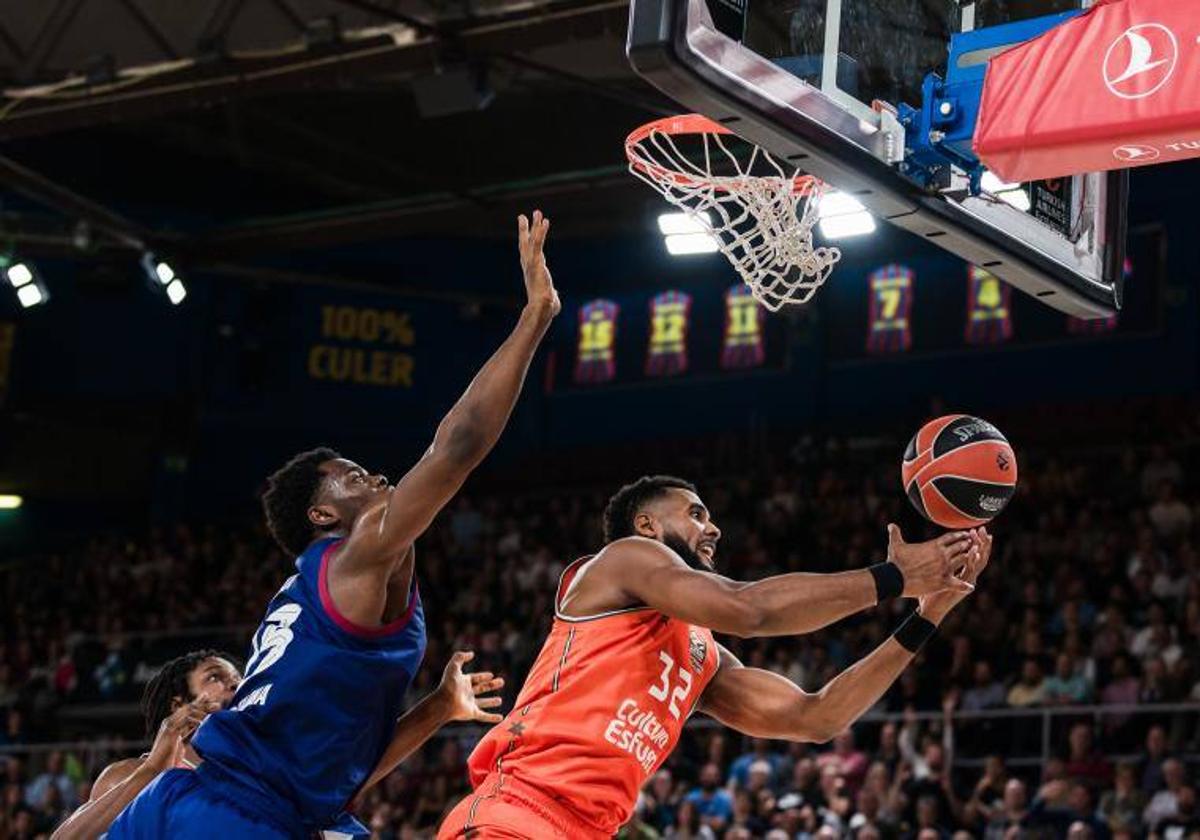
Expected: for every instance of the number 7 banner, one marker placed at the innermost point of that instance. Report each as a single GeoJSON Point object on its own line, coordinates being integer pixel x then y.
{"type": "Point", "coordinates": [891, 293]}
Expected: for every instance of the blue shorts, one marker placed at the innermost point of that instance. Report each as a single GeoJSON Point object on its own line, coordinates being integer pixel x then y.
{"type": "Point", "coordinates": [177, 805]}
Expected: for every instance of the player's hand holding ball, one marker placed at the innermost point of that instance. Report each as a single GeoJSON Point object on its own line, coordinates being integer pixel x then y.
{"type": "Point", "coordinates": [539, 285]}
{"type": "Point", "coordinates": [929, 566]}
{"type": "Point", "coordinates": [460, 692]}
{"type": "Point", "coordinates": [936, 606]}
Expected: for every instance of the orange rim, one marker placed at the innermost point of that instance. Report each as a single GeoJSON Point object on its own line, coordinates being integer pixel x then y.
{"type": "Point", "coordinates": [679, 126]}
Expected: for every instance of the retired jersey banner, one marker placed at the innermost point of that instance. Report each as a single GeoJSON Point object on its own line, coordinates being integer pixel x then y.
{"type": "Point", "coordinates": [742, 346]}
{"type": "Point", "coordinates": [890, 305]}
{"type": "Point", "coordinates": [989, 308]}
{"type": "Point", "coordinates": [667, 351]}
{"type": "Point", "coordinates": [596, 354]}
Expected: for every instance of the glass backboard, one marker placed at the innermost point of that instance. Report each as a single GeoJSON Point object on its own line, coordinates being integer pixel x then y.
{"type": "Point", "coordinates": [804, 79]}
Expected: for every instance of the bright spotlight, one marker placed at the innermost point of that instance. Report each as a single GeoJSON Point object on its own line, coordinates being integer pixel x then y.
{"type": "Point", "coordinates": [1013, 194]}
{"type": "Point", "coordinates": [19, 274]}
{"type": "Point", "coordinates": [843, 216]}
{"type": "Point", "coordinates": [10, 501]}
{"type": "Point", "coordinates": [176, 291]}
{"type": "Point", "coordinates": [32, 294]}
{"type": "Point", "coordinates": [680, 244]}
{"type": "Point", "coordinates": [670, 224]}
{"type": "Point", "coordinates": [161, 277]}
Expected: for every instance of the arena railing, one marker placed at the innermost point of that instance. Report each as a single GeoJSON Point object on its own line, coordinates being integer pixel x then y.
{"type": "Point", "coordinates": [1026, 737]}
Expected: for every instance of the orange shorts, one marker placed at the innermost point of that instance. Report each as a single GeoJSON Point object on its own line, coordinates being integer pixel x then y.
{"type": "Point", "coordinates": [503, 808]}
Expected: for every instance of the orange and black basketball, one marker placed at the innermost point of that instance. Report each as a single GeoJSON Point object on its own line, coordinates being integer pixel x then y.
{"type": "Point", "coordinates": [959, 471]}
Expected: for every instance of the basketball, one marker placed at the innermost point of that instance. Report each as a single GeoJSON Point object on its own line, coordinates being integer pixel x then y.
{"type": "Point", "coordinates": [959, 471]}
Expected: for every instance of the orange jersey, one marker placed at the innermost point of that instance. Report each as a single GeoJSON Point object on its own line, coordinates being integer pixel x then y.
{"type": "Point", "coordinates": [602, 707]}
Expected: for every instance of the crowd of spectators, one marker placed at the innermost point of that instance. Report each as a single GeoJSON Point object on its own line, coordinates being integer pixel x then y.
{"type": "Point", "coordinates": [1093, 598]}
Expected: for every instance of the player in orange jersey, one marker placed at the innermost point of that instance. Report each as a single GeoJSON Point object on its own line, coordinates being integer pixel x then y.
{"type": "Point", "coordinates": [631, 655]}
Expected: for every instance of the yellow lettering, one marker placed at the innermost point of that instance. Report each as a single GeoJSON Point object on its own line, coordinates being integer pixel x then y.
{"type": "Point", "coordinates": [352, 364]}
{"type": "Point", "coordinates": [345, 323]}
{"type": "Point", "coordinates": [402, 370]}
{"type": "Point", "coordinates": [316, 364]}
{"type": "Point", "coordinates": [989, 292]}
{"type": "Point", "coordinates": [368, 325]}
{"type": "Point", "coordinates": [890, 299]}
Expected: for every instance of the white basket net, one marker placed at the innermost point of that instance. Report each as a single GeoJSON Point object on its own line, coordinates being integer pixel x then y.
{"type": "Point", "coordinates": [761, 215]}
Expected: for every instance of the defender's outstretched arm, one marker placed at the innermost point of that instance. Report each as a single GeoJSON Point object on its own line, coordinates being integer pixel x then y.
{"type": "Point", "coordinates": [651, 573]}
{"type": "Point", "coordinates": [470, 429]}
{"type": "Point", "coordinates": [765, 705]}
{"type": "Point", "coordinates": [457, 698]}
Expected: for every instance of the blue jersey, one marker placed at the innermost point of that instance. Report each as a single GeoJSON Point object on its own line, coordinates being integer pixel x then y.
{"type": "Point", "coordinates": [318, 704]}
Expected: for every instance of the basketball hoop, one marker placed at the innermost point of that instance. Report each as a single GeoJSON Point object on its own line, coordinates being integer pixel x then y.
{"type": "Point", "coordinates": [761, 216]}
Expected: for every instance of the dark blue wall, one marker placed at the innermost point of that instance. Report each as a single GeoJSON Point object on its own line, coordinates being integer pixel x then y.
{"type": "Point", "coordinates": [222, 384]}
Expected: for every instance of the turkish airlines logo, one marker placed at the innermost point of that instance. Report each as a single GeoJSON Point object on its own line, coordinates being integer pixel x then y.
{"type": "Point", "coordinates": [1135, 153]}
{"type": "Point", "coordinates": [1140, 61]}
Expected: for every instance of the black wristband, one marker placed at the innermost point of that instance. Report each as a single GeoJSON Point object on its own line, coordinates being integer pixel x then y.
{"type": "Point", "coordinates": [889, 581]}
{"type": "Point", "coordinates": [914, 631]}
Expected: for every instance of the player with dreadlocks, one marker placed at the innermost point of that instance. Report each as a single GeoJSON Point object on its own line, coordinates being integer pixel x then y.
{"type": "Point", "coordinates": [174, 703]}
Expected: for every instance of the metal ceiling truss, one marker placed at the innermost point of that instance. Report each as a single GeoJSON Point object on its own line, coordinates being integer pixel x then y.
{"type": "Point", "coordinates": [400, 43]}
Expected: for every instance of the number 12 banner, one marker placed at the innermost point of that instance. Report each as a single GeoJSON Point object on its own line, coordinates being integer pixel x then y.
{"type": "Point", "coordinates": [667, 353]}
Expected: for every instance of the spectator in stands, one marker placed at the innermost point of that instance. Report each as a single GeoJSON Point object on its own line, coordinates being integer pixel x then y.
{"type": "Point", "coordinates": [689, 825]}
{"type": "Point", "coordinates": [1122, 690]}
{"type": "Point", "coordinates": [712, 803]}
{"type": "Point", "coordinates": [1050, 811]}
{"type": "Point", "coordinates": [987, 692]}
{"type": "Point", "coordinates": [1030, 690]}
{"type": "Point", "coordinates": [1066, 687]}
{"type": "Point", "coordinates": [1171, 516]}
{"type": "Point", "coordinates": [1084, 763]}
{"type": "Point", "coordinates": [1121, 807]}
{"type": "Point", "coordinates": [1185, 821]}
{"type": "Point", "coordinates": [987, 799]}
{"type": "Point", "coordinates": [760, 750]}
{"type": "Point", "coordinates": [1160, 468]}
{"type": "Point", "coordinates": [850, 762]}
{"type": "Point", "coordinates": [1152, 762]}
{"type": "Point", "coordinates": [52, 777]}
{"type": "Point", "coordinates": [1165, 803]}
{"type": "Point", "coordinates": [14, 728]}
{"type": "Point", "coordinates": [661, 802]}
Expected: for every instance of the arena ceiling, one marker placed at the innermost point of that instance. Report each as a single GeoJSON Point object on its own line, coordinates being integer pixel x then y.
{"type": "Point", "coordinates": [233, 130]}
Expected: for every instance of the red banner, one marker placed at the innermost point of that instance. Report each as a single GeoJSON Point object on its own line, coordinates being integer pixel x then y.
{"type": "Point", "coordinates": [1116, 87]}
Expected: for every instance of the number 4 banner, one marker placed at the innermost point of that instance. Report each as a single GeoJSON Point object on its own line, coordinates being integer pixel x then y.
{"type": "Point", "coordinates": [989, 310]}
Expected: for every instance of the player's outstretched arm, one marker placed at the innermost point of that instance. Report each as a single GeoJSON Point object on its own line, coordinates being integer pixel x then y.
{"type": "Point", "coordinates": [472, 426]}
{"type": "Point", "coordinates": [121, 782]}
{"type": "Point", "coordinates": [651, 573]}
{"type": "Point", "coordinates": [457, 697]}
{"type": "Point", "coordinates": [765, 705]}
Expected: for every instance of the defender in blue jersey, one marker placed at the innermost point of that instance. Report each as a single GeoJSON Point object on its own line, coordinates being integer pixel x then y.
{"type": "Point", "coordinates": [343, 638]}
